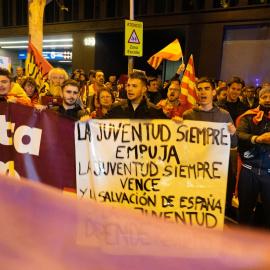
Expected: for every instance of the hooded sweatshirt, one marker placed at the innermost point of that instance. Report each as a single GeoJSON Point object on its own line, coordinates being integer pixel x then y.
{"type": "Point", "coordinates": [215, 114]}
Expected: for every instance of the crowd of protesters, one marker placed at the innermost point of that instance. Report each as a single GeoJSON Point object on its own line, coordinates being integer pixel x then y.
{"type": "Point", "coordinates": [245, 108]}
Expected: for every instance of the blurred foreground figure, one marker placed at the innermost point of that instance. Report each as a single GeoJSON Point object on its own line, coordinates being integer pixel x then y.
{"type": "Point", "coordinates": [43, 229]}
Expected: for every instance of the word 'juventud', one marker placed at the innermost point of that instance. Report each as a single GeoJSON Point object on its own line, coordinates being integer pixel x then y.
{"type": "Point", "coordinates": [128, 133]}
{"type": "Point", "coordinates": [150, 132]}
{"type": "Point", "coordinates": [197, 170]}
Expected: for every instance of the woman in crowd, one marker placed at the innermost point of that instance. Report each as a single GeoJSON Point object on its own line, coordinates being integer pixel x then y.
{"type": "Point", "coordinates": [105, 98]}
{"type": "Point", "coordinates": [30, 88]}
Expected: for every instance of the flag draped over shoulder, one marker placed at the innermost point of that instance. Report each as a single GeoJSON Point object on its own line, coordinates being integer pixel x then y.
{"type": "Point", "coordinates": [38, 67]}
{"type": "Point", "coordinates": [188, 84]}
{"type": "Point", "coordinates": [172, 52]}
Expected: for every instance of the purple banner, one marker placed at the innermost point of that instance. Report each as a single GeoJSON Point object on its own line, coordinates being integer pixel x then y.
{"type": "Point", "coordinates": [38, 146]}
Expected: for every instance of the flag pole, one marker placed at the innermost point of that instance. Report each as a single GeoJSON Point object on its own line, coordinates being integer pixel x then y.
{"type": "Point", "coordinates": [131, 17]}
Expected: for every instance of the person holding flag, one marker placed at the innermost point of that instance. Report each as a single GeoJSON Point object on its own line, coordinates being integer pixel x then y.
{"type": "Point", "coordinates": [38, 67]}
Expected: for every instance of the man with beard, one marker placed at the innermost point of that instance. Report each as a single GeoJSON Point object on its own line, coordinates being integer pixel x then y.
{"type": "Point", "coordinates": [53, 97]}
{"type": "Point", "coordinates": [56, 76]}
{"type": "Point", "coordinates": [253, 133]}
{"type": "Point", "coordinates": [171, 106]}
{"type": "Point", "coordinates": [69, 93]}
{"type": "Point", "coordinates": [87, 95]}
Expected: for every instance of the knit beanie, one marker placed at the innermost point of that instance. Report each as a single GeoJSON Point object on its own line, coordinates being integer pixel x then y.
{"type": "Point", "coordinates": [264, 90]}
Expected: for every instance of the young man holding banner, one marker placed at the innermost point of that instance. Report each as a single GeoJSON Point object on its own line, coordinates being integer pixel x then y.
{"type": "Point", "coordinates": [208, 111]}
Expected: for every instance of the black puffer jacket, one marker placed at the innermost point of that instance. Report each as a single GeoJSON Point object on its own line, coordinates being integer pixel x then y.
{"type": "Point", "coordinates": [77, 112]}
{"type": "Point", "coordinates": [145, 110]}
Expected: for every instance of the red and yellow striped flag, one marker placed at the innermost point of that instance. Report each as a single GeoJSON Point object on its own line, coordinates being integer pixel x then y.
{"type": "Point", "coordinates": [188, 84]}
{"type": "Point", "coordinates": [172, 52]}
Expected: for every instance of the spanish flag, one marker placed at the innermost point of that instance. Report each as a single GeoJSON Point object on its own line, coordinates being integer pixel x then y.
{"type": "Point", "coordinates": [38, 67]}
{"type": "Point", "coordinates": [188, 84]}
{"type": "Point", "coordinates": [172, 52]}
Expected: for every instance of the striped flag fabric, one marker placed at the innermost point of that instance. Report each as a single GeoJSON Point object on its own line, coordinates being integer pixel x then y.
{"type": "Point", "coordinates": [188, 84]}
{"type": "Point", "coordinates": [171, 52]}
{"type": "Point", "coordinates": [38, 67]}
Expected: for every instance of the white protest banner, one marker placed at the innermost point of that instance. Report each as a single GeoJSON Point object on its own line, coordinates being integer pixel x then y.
{"type": "Point", "coordinates": [177, 172]}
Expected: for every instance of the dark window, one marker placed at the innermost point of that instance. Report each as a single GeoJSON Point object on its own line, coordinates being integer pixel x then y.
{"type": "Point", "coordinates": [19, 17]}
{"type": "Point", "coordinates": [140, 7]}
{"type": "Point", "coordinates": [159, 6]}
{"type": "Point", "coordinates": [193, 5]}
{"type": "Point", "coordinates": [68, 14]}
{"type": "Point", "coordinates": [258, 2]}
{"type": "Point", "coordinates": [97, 9]}
{"type": "Point", "coordinates": [234, 3]}
{"type": "Point", "coordinates": [25, 12]}
{"type": "Point", "coordinates": [170, 5]}
{"type": "Point", "coordinates": [91, 9]}
{"type": "Point", "coordinates": [114, 8]}
{"type": "Point", "coordinates": [119, 8]}
{"type": "Point", "coordinates": [217, 4]}
{"type": "Point", "coordinates": [75, 10]}
{"type": "Point", "coordinates": [136, 7]}
{"type": "Point", "coordinates": [111, 5]}
{"type": "Point", "coordinates": [51, 12]}
{"type": "Point", "coordinates": [7, 13]}
{"type": "Point", "coordinates": [89, 6]}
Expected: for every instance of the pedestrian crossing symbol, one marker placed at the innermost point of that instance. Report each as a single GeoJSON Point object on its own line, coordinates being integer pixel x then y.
{"type": "Point", "coordinates": [133, 38]}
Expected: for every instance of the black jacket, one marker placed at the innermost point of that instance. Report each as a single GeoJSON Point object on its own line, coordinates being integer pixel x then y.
{"type": "Point", "coordinates": [76, 112]}
{"type": "Point", "coordinates": [145, 110]}
{"type": "Point", "coordinates": [255, 155]}
{"type": "Point", "coordinates": [234, 108]}
{"type": "Point", "coordinates": [154, 97]}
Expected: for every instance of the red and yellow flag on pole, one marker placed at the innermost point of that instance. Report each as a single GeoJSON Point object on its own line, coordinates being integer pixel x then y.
{"type": "Point", "coordinates": [172, 52]}
{"type": "Point", "coordinates": [188, 84]}
{"type": "Point", "coordinates": [38, 67]}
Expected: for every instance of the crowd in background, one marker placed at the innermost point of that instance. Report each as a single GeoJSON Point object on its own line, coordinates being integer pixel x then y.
{"type": "Point", "coordinates": [91, 94]}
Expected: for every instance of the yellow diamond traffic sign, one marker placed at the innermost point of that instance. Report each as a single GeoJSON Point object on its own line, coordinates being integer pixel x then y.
{"type": "Point", "coordinates": [133, 38]}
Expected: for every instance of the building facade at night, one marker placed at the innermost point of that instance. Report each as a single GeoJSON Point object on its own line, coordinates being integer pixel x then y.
{"type": "Point", "coordinates": [211, 30]}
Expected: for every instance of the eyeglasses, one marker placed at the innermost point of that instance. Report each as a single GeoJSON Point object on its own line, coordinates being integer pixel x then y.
{"type": "Point", "coordinates": [30, 85]}
{"type": "Point", "coordinates": [107, 97]}
{"type": "Point", "coordinates": [250, 91]}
